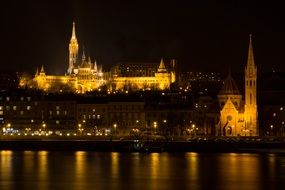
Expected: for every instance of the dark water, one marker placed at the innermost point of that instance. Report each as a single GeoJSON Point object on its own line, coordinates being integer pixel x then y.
{"type": "Point", "coordinates": [91, 170]}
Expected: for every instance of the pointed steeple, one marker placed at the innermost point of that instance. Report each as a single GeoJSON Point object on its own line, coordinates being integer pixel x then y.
{"type": "Point", "coordinates": [42, 71]}
{"type": "Point", "coordinates": [161, 67]}
{"type": "Point", "coordinates": [250, 57]}
{"type": "Point", "coordinates": [73, 31]}
{"type": "Point", "coordinates": [83, 55]}
{"type": "Point", "coordinates": [95, 67]}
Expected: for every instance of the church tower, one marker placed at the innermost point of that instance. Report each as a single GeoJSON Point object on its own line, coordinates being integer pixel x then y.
{"type": "Point", "coordinates": [73, 51]}
{"type": "Point", "coordinates": [250, 114]}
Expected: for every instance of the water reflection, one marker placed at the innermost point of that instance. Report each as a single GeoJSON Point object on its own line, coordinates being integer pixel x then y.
{"type": "Point", "coordinates": [89, 170]}
{"type": "Point", "coordinates": [42, 159]}
{"type": "Point", "coordinates": [115, 165]}
{"type": "Point", "coordinates": [5, 169]}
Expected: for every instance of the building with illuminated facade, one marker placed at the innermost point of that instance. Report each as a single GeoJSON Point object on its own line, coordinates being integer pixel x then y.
{"type": "Point", "coordinates": [238, 117]}
{"type": "Point", "coordinates": [83, 75]}
{"type": "Point", "coordinates": [143, 76]}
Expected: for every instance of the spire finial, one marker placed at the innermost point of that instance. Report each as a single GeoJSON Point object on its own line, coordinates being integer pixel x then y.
{"type": "Point", "coordinates": [73, 31]}
{"type": "Point", "coordinates": [250, 58]}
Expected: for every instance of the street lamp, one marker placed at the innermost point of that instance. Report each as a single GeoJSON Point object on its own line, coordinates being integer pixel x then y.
{"type": "Point", "coordinates": [115, 127]}
{"type": "Point", "coordinates": [44, 125]}
{"type": "Point", "coordinates": [193, 129]}
{"type": "Point", "coordinates": [154, 125]}
{"type": "Point", "coordinates": [80, 128]}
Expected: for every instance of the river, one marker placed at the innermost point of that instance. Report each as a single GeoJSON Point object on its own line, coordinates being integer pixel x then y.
{"type": "Point", "coordinates": [43, 170]}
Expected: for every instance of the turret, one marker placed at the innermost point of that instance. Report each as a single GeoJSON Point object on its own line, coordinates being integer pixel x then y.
{"type": "Point", "coordinates": [161, 68]}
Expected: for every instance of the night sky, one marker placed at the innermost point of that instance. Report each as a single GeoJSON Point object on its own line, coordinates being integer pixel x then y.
{"type": "Point", "coordinates": [202, 35]}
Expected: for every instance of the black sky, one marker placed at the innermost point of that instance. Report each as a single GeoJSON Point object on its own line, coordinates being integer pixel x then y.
{"type": "Point", "coordinates": [202, 35]}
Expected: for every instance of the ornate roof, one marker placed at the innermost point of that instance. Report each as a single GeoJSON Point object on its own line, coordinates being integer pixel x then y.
{"type": "Point", "coordinates": [229, 87]}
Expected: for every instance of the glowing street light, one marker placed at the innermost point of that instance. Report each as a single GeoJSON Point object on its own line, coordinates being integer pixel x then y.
{"type": "Point", "coordinates": [154, 125]}
{"type": "Point", "coordinates": [115, 127]}
{"type": "Point", "coordinates": [44, 126]}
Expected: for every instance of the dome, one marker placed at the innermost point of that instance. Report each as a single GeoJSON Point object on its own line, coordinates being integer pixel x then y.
{"type": "Point", "coordinates": [229, 87]}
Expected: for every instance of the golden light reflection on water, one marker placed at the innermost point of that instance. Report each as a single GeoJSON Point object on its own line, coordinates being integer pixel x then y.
{"type": "Point", "coordinates": [242, 169]}
{"type": "Point", "coordinates": [115, 166]}
{"type": "Point", "coordinates": [80, 169]}
{"type": "Point", "coordinates": [43, 169]}
{"type": "Point", "coordinates": [154, 165]}
{"type": "Point", "coordinates": [80, 163]}
{"type": "Point", "coordinates": [6, 168]}
{"type": "Point", "coordinates": [192, 165]}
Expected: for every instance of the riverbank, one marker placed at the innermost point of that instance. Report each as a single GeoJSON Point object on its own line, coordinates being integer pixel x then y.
{"type": "Point", "coordinates": [140, 146]}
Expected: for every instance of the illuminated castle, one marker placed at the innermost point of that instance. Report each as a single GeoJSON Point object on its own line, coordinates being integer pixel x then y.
{"type": "Point", "coordinates": [83, 75]}
{"type": "Point", "coordinates": [238, 117]}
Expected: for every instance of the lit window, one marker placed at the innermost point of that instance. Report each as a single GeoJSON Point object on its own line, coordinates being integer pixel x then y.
{"type": "Point", "coordinates": [28, 107]}
{"type": "Point", "coordinates": [281, 108]}
{"type": "Point", "coordinates": [57, 107]}
{"type": "Point", "coordinates": [14, 108]}
{"type": "Point", "coordinates": [94, 110]}
{"type": "Point", "coordinates": [65, 112]}
{"type": "Point", "coordinates": [29, 98]}
{"type": "Point", "coordinates": [98, 116]}
{"type": "Point", "coordinates": [1, 112]}
{"type": "Point", "coordinates": [57, 112]}
{"type": "Point", "coordinates": [22, 98]}
{"type": "Point", "coordinates": [1, 107]}
{"type": "Point", "coordinates": [8, 98]}
{"type": "Point", "coordinates": [22, 112]}
{"type": "Point", "coordinates": [57, 121]}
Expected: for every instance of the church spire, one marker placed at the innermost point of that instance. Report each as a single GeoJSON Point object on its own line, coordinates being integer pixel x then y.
{"type": "Point", "coordinates": [73, 31]}
{"type": "Point", "coordinates": [95, 67]}
{"type": "Point", "coordinates": [250, 57]}
{"type": "Point", "coordinates": [250, 111]}
{"type": "Point", "coordinates": [161, 67]}
{"type": "Point", "coordinates": [42, 71]}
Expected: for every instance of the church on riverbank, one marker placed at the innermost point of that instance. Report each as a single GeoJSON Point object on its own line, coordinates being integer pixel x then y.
{"type": "Point", "coordinates": [239, 117]}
